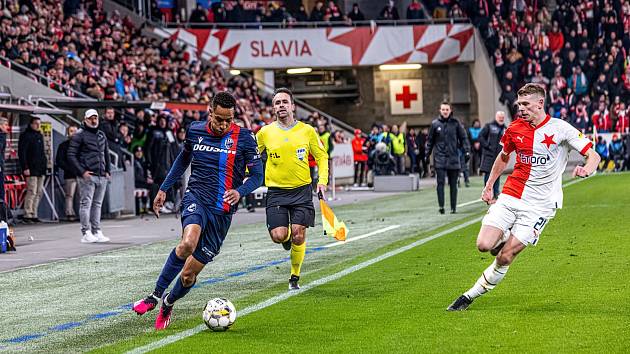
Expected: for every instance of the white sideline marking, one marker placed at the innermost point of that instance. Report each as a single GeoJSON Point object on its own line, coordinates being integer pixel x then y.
{"type": "Point", "coordinates": [469, 203]}
{"type": "Point", "coordinates": [380, 231]}
{"type": "Point", "coordinates": [280, 297]}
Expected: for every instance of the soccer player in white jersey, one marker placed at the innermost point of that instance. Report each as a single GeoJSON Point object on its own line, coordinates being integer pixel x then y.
{"type": "Point", "coordinates": [533, 191]}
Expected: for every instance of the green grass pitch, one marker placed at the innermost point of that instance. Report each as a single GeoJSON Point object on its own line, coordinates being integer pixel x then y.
{"type": "Point", "coordinates": [568, 294]}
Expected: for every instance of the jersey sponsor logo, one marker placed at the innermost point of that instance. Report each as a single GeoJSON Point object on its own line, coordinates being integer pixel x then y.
{"type": "Point", "coordinates": [191, 208]}
{"type": "Point", "coordinates": [208, 148]}
{"type": "Point", "coordinates": [301, 153]}
{"type": "Point", "coordinates": [520, 138]}
{"type": "Point", "coordinates": [274, 155]}
{"type": "Point", "coordinates": [228, 143]}
{"type": "Point", "coordinates": [534, 160]}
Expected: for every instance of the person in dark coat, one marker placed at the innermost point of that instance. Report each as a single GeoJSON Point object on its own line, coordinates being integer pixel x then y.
{"type": "Point", "coordinates": [143, 179]}
{"type": "Point", "coordinates": [69, 173]}
{"type": "Point", "coordinates": [34, 163]}
{"type": "Point", "coordinates": [490, 139]}
{"type": "Point", "coordinates": [89, 155]}
{"type": "Point", "coordinates": [421, 143]}
{"type": "Point", "coordinates": [446, 137]}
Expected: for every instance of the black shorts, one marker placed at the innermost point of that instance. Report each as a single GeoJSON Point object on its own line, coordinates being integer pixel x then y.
{"type": "Point", "coordinates": [290, 206]}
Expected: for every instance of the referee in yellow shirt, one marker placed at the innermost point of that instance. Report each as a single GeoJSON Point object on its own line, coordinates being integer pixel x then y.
{"type": "Point", "coordinates": [288, 143]}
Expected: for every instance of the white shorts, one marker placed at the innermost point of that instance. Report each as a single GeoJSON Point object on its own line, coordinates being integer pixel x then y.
{"type": "Point", "coordinates": [525, 221]}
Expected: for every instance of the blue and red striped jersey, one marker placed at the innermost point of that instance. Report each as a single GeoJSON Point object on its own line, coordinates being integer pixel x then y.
{"type": "Point", "coordinates": [218, 163]}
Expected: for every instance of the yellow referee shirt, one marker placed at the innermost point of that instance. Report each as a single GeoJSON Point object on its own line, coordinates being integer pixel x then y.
{"type": "Point", "coordinates": [287, 155]}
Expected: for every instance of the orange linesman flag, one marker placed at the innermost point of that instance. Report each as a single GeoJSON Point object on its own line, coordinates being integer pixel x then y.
{"type": "Point", "coordinates": [332, 226]}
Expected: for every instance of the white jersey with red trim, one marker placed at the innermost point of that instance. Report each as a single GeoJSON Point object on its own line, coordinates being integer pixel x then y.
{"type": "Point", "coordinates": [542, 153]}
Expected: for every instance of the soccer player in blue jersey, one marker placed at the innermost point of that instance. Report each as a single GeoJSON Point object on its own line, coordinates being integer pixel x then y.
{"type": "Point", "coordinates": [219, 152]}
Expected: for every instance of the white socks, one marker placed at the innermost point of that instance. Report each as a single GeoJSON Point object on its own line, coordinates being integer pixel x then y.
{"type": "Point", "coordinates": [488, 280]}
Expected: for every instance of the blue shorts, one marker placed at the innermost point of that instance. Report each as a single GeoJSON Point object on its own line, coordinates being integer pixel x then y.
{"type": "Point", "coordinates": [214, 227]}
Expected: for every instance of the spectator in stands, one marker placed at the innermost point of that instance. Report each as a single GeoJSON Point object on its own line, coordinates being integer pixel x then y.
{"type": "Point", "coordinates": [143, 180]}
{"type": "Point", "coordinates": [623, 120]}
{"type": "Point", "coordinates": [473, 137]}
{"type": "Point", "coordinates": [318, 12]}
{"type": "Point", "coordinates": [333, 14]}
{"type": "Point", "coordinates": [616, 152]}
{"type": "Point", "coordinates": [440, 10]}
{"type": "Point", "coordinates": [578, 81]}
{"type": "Point", "coordinates": [416, 11]}
{"type": "Point", "coordinates": [301, 15]}
{"type": "Point", "coordinates": [602, 150]}
{"type": "Point", "coordinates": [34, 162]}
{"type": "Point", "coordinates": [601, 119]}
{"type": "Point", "coordinates": [389, 12]}
{"type": "Point", "coordinates": [139, 137]}
{"type": "Point", "coordinates": [69, 173]}
{"type": "Point", "coordinates": [490, 141]}
{"type": "Point", "coordinates": [508, 97]}
{"type": "Point", "coordinates": [355, 14]}
{"type": "Point", "coordinates": [198, 15]}
{"type": "Point", "coordinates": [580, 119]}
{"type": "Point", "coordinates": [161, 153]}
{"type": "Point", "coordinates": [4, 130]}
{"type": "Point", "coordinates": [386, 137]}
{"type": "Point", "coordinates": [446, 137]}
{"type": "Point", "coordinates": [398, 147]}
{"type": "Point", "coordinates": [359, 150]}
{"type": "Point", "coordinates": [412, 150]}
{"type": "Point", "coordinates": [88, 153]}
{"type": "Point", "coordinates": [421, 143]}
{"type": "Point", "coordinates": [384, 164]}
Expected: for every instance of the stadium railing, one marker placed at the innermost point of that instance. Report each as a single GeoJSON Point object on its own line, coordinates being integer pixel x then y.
{"type": "Point", "coordinates": [40, 78]}
{"type": "Point", "coordinates": [308, 24]}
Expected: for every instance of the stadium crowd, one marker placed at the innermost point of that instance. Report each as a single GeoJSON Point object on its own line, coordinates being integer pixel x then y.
{"type": "Point", "coordinates": [579, 51]}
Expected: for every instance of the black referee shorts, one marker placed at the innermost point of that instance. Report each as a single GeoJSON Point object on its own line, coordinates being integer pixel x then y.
{"type": "Point", "coordinates": [290, 206]}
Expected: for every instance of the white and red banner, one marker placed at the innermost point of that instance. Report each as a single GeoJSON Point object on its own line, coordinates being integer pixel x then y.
{"type": "Point", "coordinates": [405, 96]}
{"type": "Point", "coordinates": [343, 161]}
{"type": "Point", "coordinates": [324, 47]}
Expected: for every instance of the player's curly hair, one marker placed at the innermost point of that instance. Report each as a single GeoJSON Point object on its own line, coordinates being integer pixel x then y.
{"type": "Point", "coordinates": [284, 90]}
{"type": "Point", "coordinates": [223, 99]}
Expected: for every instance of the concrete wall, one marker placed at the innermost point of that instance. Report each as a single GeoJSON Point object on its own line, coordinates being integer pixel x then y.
{"type": "Point", "coordinates": [484, 80]}
{"type": "Point", "coordinates": [22, 86]}
{"type": "Point", "coordinates": [374, 102]}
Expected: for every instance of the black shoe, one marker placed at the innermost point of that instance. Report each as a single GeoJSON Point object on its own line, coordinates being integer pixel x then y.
{"type": "Point", "coordinates": [27, 221]}
{"type": "Point", "coordinates": [460, 304]}
{"type": "Point", "coordinates": [293, 282]}
{"type": "Point", "coordinates": [467, 184]}
{"type": "Point", "coordinates": [36, 220]}
{"type": "Point", "coordinates": [441, 210]}
{"type": "Point", "coordinates": [251, 209]}
{"type": "Point", "coordinates": [287, 244]}
{"type": "Point", "coordinates": [497, 249]}
{"type": "Point", "coordinates": [453, 211]}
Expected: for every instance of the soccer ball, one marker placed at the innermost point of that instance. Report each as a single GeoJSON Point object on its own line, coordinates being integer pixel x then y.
{"type": "Point", "coordinates": [219, 314]}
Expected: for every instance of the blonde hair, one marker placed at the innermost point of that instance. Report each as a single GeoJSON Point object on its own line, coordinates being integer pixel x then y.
{"type": "Point", "coordinates": [532, 89]}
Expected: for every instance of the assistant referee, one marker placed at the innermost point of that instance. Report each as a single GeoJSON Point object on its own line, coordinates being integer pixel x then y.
{"type": "Point", "coordinates": [290, 209]}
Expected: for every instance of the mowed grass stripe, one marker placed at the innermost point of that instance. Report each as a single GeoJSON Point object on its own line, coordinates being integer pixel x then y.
{"type": "Point", "coordinates": [567, 294]}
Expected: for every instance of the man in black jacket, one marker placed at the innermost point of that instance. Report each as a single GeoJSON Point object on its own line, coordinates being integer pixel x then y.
{"type": "Point", "coordinates": [69, 173]}
{"type": "Point", "coordinates": [33, 162]}
{"type": "Point", "coordinates": [446, 137]}
{"type": "Point", "coordinates": [89, 155]}
{"type": "Point", "coordinates": [490, 139]}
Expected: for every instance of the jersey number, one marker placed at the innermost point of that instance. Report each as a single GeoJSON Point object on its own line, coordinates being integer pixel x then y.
{"type": "Point", "coordinates": [540, 224]}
